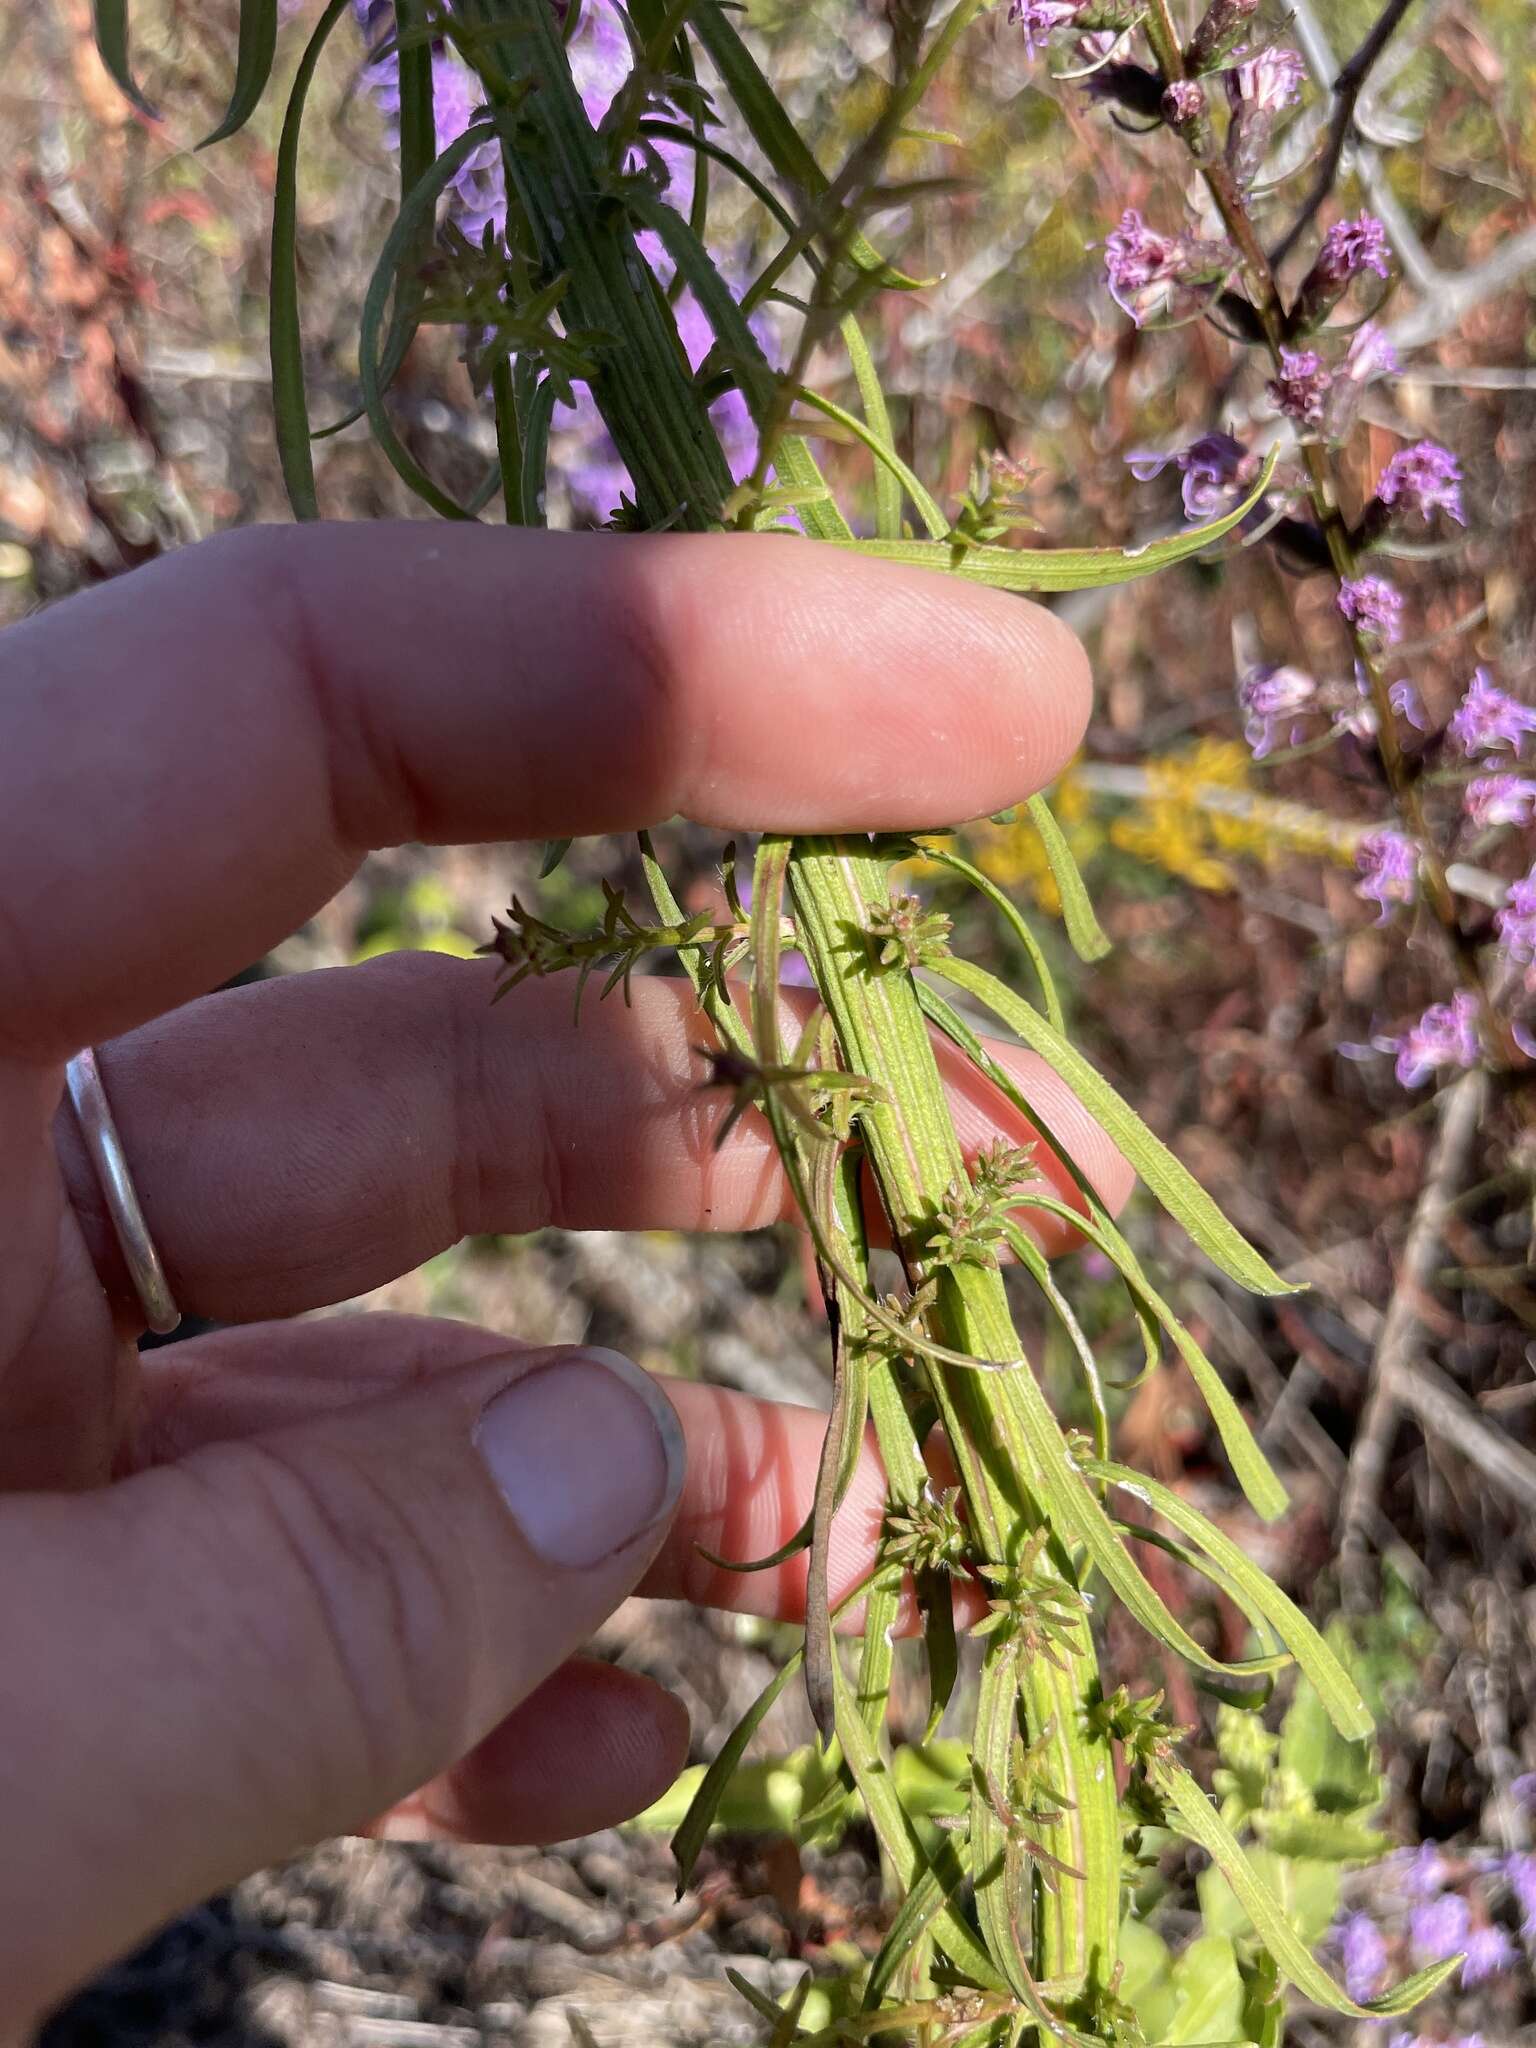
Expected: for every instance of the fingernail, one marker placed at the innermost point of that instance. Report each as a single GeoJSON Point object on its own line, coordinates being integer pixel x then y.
{"type": "Point", "coordinates": [587, 1452]}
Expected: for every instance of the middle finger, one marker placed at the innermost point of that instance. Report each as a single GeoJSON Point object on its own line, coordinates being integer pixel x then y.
{"type": "Point", "coordinates": [300, 1141]}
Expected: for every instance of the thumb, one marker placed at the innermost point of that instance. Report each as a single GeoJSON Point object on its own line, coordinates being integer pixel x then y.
{"type": "Point", "coordinates": [277, 1638]}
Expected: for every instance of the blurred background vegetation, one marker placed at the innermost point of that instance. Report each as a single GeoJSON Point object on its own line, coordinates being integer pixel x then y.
{"type": "Point", "coordinates": [1237, 1010]}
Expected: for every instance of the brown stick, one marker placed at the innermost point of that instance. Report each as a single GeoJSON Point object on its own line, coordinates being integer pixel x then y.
{"type": "Point", "coordinates": [1399, 1380]}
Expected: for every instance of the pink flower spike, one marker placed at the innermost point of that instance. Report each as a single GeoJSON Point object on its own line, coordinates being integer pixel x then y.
{"type": "Point", "coordinates": [1493, 800]}
{"type": "Point", "coordinates": [1445, 1036]}
{"type": "Point", "coordinates": [1388, 866]}
{"type": "Point", "coordinates": [1424, 479]}
{"type": "Point", "coordinates": [1372, 606]}
{"type": "Point", "coordinates": [1488, 718]}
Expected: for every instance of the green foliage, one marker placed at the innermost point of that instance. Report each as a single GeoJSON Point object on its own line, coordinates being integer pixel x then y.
{"type": "Point", "coordinates": [1010, 1918]}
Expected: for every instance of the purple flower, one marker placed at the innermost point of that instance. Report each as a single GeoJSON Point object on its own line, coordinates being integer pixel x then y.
{"type": "Point", "coordinates": [1445, 1036]}
{"type": "Point", "coordinates": [1520, 1875]}
{"type": "Point", "coordinates": [1270, 698]}
{"type": "Point", "coordinates": [1516, 922]}
{"type": "Point", "coordinates": [1388, 866]}
{"type": "Point", "coordinates": [1425, 478]}
{"type": "Point", "coordinates": [1371, 355]}
{"type": "Point", "coordinates": [1351, 246]}
{"type": "Point", "coordinates": [1488, 717]}
{"type": "Point", "coordinates": [1502, 800]}
{"type": "Point", "coordinates": [1184, 100]}
{"type": "Point", "coordinates": [1489, 1953]}
{"type": "Point", "coordinates": [1141, 266]}
{"type": "Point", "coordinates": [1425, 1872]}
{"type": "Point", "coordinates": [1040, 19]}
{"type": "Point", "coordinates": [1408, 704]}
{"type": "Point", "coordinates": [1268, 82]}
{"type": "Point", "coordinates": [1364, 1950]}
{"type": "Point", "coordinates": [1438, 1928]}
{"type": "Point", "coordinates": [1523, 1790]}
{"type": "Point", "coordinates": [1301, 389]}
{"type": "Point", "coordinates": [1372, 606]}
{"type": "Point", "coordinates": [1215, 468]}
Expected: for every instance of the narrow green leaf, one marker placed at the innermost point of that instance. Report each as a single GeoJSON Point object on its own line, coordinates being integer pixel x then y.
{"type": "Point", "coordinates": [1006, 1918]}
{"type": "Point", "coordinates": [840, 1450]}
{"type": "Point", "coordinates": [886, 459]}
{"type": "Point", "coordinates": [110, 19]}
{"type": "Point", "coordinates": [1195, 1816]}
{"type": "Point", "coordinates": [694, 1830]}
{"type": "Point", "coordinates": [1076, 1512]}
{"type": "Point", "coordinates": [290, 408]}
{"type": "Point", "coordinates": [1261, 1598]}
{"type": "Point", "coordinates": [1032, 569]}
{"type": "Point", "coordinates": [894, 1830]}
{"type": "Point", "coordinates": [257, 45]}
{"type": "Point", "coordinates": [536, 425]}
{"type": "Point", "coordinates": [1167, 1177]}
{"type": "Point", "coordinates": [1038, 1266]}
{"type": "Point", "coordinates": [872, 398]}
{"type": "Point", "coordinates": [776, 135]}
{"type": "Point", "coordinates": [419, 208]}
{"type": "Point", "coordinates": [946, 856]}
{"type": "Point", "coordinates": [792, 460]}
{"type": "Point", "coordinates": [1089, 940]}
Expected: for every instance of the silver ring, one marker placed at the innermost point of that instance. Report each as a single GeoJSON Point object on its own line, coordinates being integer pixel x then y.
{"type": "Point", "coordinates": [82, 1077]}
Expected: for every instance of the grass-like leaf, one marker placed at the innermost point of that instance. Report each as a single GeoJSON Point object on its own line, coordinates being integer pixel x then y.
{"type": "Point", "coordinates": [1169, 1180]}
{"type": "Point", "coordinates": [1195, 1817]}
{"type": "Point", "coordinates": [255, 49]}
{"type": "Point", "coordinates": [1259, 1596]}
{"type": "Point", "coordinates": [110, 21]}
{"type": "Point", "coordinates": [1089, 940]}
{"type": "Point", "coordinates": [290, 408]}
{"type": "Point", "coordinates": [1035, 569]}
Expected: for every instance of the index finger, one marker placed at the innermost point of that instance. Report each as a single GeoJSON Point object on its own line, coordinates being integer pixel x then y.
{"type": "Point", "coordinates": [194, 757]}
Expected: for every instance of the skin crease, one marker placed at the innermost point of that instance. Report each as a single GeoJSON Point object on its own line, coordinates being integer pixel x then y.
{"type": "Point", "coordinates": [265, 1586]}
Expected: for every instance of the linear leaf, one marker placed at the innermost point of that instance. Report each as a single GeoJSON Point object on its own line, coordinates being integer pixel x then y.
{"type": "Point", "coordinates": [694, 1828]}
{"type": "Point", "coordinates": [886, 459]}
{"type": "Point", "coordinates": [255, 49]}
{"type": "Point", "coordinates": [110, 20]}
{"type": "Point", "coordinates": [290, 408]}
{"type": "Point", "coordinates": [1089, 940]}
{"type": "Point", "coordinates": [1167, 1177]}
{"type": "Point", "coordinates": [993, 1856]}
{"type": "Point", "coordinates": [1197, 1818]}
{"type": "Point", "coordinates": [1076, 1512]}
{"type": "Point", "coordinates": [792, 460]}
{"type": "Point", "coordinates": [418, 208]}
{"type": "Point", "coordinates": [946, 857]}
{"type": "Point", "coordinates": [872, 398]}
{"type": "Point", "coordinates": [776, 135]}
{"type": "Point", "coordinates": [1028, 569]}
{"type": "Point", "coordinates": [1261, 1598]}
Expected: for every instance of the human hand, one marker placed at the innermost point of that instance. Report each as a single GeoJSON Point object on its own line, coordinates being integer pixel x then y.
{"type": "Point", "coordinates": [306, 1577]}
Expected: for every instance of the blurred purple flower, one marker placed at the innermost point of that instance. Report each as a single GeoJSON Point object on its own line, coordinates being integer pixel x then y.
{"type": "Point", "coordinates": [1388, 866]}
{"type": "Point", "coordinates": [1424, 1871]}
{"type": "Point", "coordinates": [1372, 605]}
{"type": "Point", "coordinates": [1268, 82]}
{"type": "Point", "coordinates": [1371, 355]}
{"type": "Point", "coordinates": [1215, 468]}
{"type": "Point", "coordinates": [1445, 1036]}
{"type": "Point", "coordinates": [1363, 1947]}
{"type": "Point", "coordinates": [1351, 246]}
{"type": "Point", "coordinates": [1301, 389]}
{"type": "Point", "coordinates": [1520, 1874]}
{"type": "Point", "coordinates": [1140, 264]}
{"type": "Point", "coordinates": [1523, 1790]}
{"type": "Point", "coordinates": [1040, 19]}
{"type": "Point", "coordinates": [1425, 478]}
{"type": "Point", "coordinates": [1184, 100]}
{"type": "Point", "coordinates": [1270, 698]}
{"type": "Point", "coordinates": [1489, 1953]}
{"type": "Point", "coordinates": [1408, 704]}
{"type": "Point", "coordinates": [1516, 922]}
{"type": "Point", "coordinates": [1489, 717]}
{"type": "Point", "coordinates": [1501, 800]}
{"type": "Point", "coordinates": [1438, 1928]}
